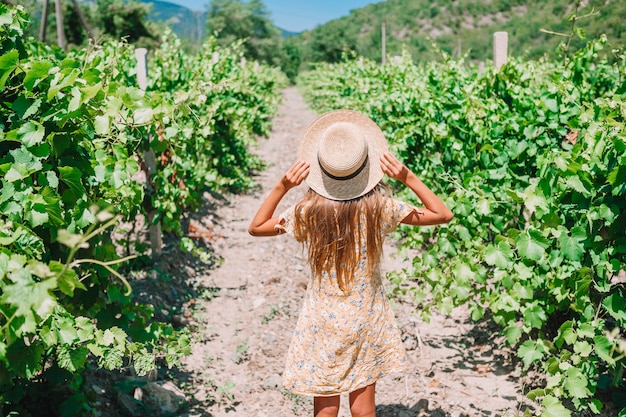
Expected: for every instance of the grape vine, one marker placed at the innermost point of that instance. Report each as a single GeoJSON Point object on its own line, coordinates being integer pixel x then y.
{"type": "Point", "coordinates": [532, 161]}
{"type": "Point", "coordinates": [75, 127]}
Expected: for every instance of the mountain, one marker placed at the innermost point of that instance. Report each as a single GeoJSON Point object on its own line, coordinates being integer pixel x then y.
{"type": "Point", "coordinates": [288, 34]}
{"type": "Point", "coordinates": [186, 23]}
{"type": "Point", "coordinates": [460, 27]}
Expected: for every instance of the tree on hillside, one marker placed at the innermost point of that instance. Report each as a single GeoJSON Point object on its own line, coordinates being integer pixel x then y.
{"type": "Point", "coordinates": [231, 20]}
{"type": "Point", "coordinates": [125, 19]}
{"type": "Point", "coordinates": [328, 43]}
{"type": "Point", "coordinates": [82, 21]}
{"type": "Point", "coordinates": [292, 58]}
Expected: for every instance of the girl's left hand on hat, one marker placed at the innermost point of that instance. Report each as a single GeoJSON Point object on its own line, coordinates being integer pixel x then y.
{"type": "Point", "coordinates": [296, 174]}
{"type": "Point", "coordinates": [393, 167]}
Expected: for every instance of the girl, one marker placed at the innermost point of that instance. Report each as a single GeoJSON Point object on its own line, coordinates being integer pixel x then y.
{"type": "Point", "coordinates": [346, 338]}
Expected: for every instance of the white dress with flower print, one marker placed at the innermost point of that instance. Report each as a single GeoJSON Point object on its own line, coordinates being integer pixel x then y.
{"type": "Point", "coordinates": [343, 342]}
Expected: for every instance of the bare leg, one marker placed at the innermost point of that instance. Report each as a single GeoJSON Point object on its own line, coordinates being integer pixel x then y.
{"type": "Point", "coordinates": [326, 406]}
{"type": "Point", "coordinates": [362, 403]}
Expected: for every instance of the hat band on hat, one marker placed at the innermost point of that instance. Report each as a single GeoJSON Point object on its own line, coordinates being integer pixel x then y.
{"type": "Point", "coordinates": [347, 177]}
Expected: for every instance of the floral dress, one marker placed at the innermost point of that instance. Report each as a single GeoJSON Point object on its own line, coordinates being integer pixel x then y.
{"type": "Point", "coordinates": [345, 341]}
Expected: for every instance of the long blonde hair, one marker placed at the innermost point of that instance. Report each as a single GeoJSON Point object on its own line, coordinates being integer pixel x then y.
{"type": "Point", "coordinates": [334, 230]}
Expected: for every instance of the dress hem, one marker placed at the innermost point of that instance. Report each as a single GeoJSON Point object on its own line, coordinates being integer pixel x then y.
{"type": "Point", "coordinates": [359, 386]}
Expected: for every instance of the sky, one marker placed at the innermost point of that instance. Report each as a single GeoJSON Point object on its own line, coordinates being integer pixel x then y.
{"type": "Point", "coordinates": [294, 15]}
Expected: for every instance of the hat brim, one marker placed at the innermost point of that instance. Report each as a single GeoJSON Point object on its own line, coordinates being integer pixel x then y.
{"type": "Point", "coordinates": [366, 179]}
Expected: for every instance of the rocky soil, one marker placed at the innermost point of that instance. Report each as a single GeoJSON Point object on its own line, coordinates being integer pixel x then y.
{"type": "Point", "coordinates": [243, 309]}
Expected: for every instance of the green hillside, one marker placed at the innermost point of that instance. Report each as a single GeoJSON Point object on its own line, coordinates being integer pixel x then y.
{"type": "Point", "coordinates": [186, 23]}
{"type": "Point", "coordinates": [464, 26]}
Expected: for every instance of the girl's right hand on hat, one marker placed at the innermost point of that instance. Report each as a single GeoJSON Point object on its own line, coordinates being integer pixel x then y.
{"type": "Point", "coordinates": [296, 174]}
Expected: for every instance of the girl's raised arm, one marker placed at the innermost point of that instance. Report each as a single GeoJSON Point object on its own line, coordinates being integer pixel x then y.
{"type": "Point", "coordinates": [264, 221]}
{"type": "Point", "coordinates": [435, 211]}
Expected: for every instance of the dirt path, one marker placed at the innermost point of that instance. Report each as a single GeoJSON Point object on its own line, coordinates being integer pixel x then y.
{"type": "Point", "coordinates": [251, 302]}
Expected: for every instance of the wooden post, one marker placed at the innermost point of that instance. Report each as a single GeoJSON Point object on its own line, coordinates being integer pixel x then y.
{"type": "Point", "coordinates": [43, 27]}
{"type": "Point", "coordinates": [384, 45]}
{"type": "Point", "coordinates": [156, 239]}
{"type": "Point", "coordinates": [58, 11]}
{"type": "Point", "coordinates": [500, 48]}
{"type": "Point", "coordinates": [83, 21]}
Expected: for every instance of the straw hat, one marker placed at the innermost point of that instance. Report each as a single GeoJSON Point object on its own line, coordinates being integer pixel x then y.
{"type": "Point", "coordinates": [343, 148]}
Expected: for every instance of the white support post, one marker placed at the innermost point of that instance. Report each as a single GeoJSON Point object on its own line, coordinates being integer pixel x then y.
{"type": "Point", "coordinates": [142, 67]}
{"type": "Point", "coordinates": [500, 48]}
{"type": "Point", "coordinates": [156, 239]}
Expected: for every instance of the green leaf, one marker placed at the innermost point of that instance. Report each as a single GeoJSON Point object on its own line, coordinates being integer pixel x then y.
{"type": "Point", "coordinates": [17, 172]}
{"type": "Point", "coordinates": [36, 217]}
{"type": "Point", "coordinates": [585, 330]}
{"type": "Point", "coordinates": [53, 180]}
{"type": "Point", "coordinates": [31, 134]}
{"type": "Point", "coordinates": [23, 156]}
{"type": "Point", "coordinates": [583, 348]}
{"type": "Point", "coordinates": [85, 329]}
{"type": "Point", "coordinates": [513, 334]}
{"type": "Point", "coordinates": [53, 206]}
{"type": "Point", "coordinates": [72, 178]}
{"type": "Point", "coordinates": [24, 108]}
{"type": "Point", "coordinates": [25, 360]}
{"type": "Point", "coordinates": [477, 312]}
{"type": "Point", "coordinates": [32, 300]}
{"type": "Point", "coordinates": [615, 305]}
{"type": "Point", "coordinates": [76, 100]}
{"type": "Point", "coordinates": [535, 315]}
{"type": "Point", "coordinates": [114, 336]}
{"type": "Point", "coordinates": [530, 352]}
{"type": "Point", "coordinates": [535, 393]}
{"type": "Point", "coordinates": [531, 245]}
{"type": "Point", "coordinates": [65, 330]}
{"type": "Point", "coordinates": [460, 291]}
{"type": "Point", "coordinates": [67, 278]}
{"type": "Point", "coordinates": [63, 82]}
{"type": "Point", "coordinates": [4, 264]}
{"type": "Point", "coordinates": [464, 272]}
{"type": "Point", "coordinates": [571, 245]}
{"type": "Point", "coordinates": [595, 406]}
{"type": "Point", "coordinates": [552, 407]}
{"type": "Point", "coordinates": [86, 218]}
{"type": "Point", "coordinates": [551, 104]}
{"type": "Point", "coordinates": [48, 336]}
{"type": "Point", "coordinates": [112, 359]}
{"type": "Point", "coordinates": [102, 125]}
{"type": "Point", "coordinates": [617, 177]}
{"type": "Point", "coordinates": [38, 72]}
{"type": "Point", "coordinates": [500, 255]}
{"type": "Point", "coordinates": [6, 18]}
{"type": "Point", "coordinates": [71, 240]}
{"type": "Point", "coordinates": [576, 383]}
{"type": "Point", "coordinates": [604, 349]}
{"type": "Point", "coordinates": [144, 362]}
{"type": "Point", "coordinates": [566, 334]}
{"type": "Point", "coordinates": [143, 116]}
{"type": "Point", "coordinates": [575, 182]}
{"type": "Point", "coordinates": [90, 91]}
{"type": "Point", "coordinates": [561, 163]}
{"type": "Point", "coordinates": [72, 359]}
{"type": "Point", "coordinates": [533, 198]}
{"type": "Point", "coordinates": [8, 64]}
